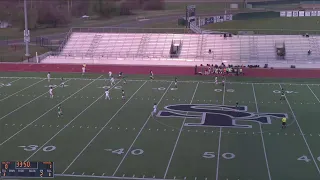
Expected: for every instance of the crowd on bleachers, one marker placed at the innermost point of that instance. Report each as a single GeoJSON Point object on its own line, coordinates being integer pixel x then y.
{"type": "Point", "coordinates": [219, 70]}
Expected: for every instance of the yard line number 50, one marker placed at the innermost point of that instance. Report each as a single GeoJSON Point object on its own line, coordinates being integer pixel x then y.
{"type": "Point", "coordinates": [209, 155]}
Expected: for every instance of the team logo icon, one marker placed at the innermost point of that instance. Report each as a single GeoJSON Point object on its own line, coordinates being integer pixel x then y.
{"type": "Point", "coordinates": [211, 115]}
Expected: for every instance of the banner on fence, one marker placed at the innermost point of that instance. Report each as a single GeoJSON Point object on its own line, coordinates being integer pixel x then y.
{"type": "Point", "coordinates": [299, 13]}
{"type": "Point", "coordinates": [215, 19]}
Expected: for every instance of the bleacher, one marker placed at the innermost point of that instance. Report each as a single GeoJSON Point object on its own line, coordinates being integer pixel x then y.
{"type": "Point", "coordinates": [154, 49]}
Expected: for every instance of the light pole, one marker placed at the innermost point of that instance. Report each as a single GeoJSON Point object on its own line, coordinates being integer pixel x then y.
{"type": "Point", "coordinates": [26, 31]}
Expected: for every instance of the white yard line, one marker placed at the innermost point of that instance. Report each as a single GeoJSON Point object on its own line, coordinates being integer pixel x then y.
{"type": "Point", "coordinates": [46, 113]}
{"type": "Point", "coordinates": [177, 140]}
{"type": "Point", "coordinates": [25, 104]}
{"type": "Point", "coordinates": [107, 177]}
{"type": "Point", "coordinates": [102, 129]}
{"type": "Point", "coordinates": [313, 93]}
{"type": "Point", "coordinates": [219, 143]}
{"type": "Point", "coordinates": [68, 124]}
{"type": "Point", "coordinates": [21, 90]}
{"type": "Point", "coordinates": [262, 138]}
{"type": "Point", "coordinates": [129, 149]}
{"type": "Point", "coordinates": [304, 138]}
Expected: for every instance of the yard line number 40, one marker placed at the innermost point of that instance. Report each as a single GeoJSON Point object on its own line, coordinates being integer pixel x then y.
{"type": "Point", "coordinates": [306, 159]}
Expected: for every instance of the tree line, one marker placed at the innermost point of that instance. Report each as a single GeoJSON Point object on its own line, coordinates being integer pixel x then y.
{"type": "Point", "coordinates": [53, 13]}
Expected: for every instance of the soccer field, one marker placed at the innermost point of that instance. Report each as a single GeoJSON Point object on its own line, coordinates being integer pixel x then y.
{"type": "Point", "coordinates": [197, 134]}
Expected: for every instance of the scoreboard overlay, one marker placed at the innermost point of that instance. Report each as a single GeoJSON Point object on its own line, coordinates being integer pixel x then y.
{"type": "Point", "coordinates": [27, 169]}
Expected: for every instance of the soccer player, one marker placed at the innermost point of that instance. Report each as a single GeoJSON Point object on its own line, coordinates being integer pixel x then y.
{"type": "Point", "coordinates": [110, 74]}
{"type": "Point", "coordinates": [51, 92]}
{"type": "Point", "coordinates": [151, 75]}
{"type": "Point", "coordinates": [282, 95]}
{"type": "Point", "coordinates": [59, 111]}
{"type": "Point", "coordinates": [223, 81]}
{"type": "Point", "coordinates": [216, 80]}
{"type": "Point", "coordinates": [107, 94]}
{"type": "Point", "coordinates": [124, 80]}
{"type": "Point", "coordinates": [112, 81]}
{"type": "Point", "coordinates": [120, 74]}
{"type": "Point", "coordinates": [49, 76]}
{"type": "Point", "coordinates": [176, 82]}
{"type": "Point", "coordinates": [237, 105]}
{"type": "Point", "coordinates": [284, 123]}
{"type": "Point", "coordinates": [62, 82]}
{"type": "Point", "coordinates": [123, 95]}
{"type": "Point", "coordinates": [154, 109]}
{"type": "Point", "coordinates": [83, 69]}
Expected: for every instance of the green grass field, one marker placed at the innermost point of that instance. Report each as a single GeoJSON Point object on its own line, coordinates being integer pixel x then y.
{"type": "Point", "coordinates": [117, 139]}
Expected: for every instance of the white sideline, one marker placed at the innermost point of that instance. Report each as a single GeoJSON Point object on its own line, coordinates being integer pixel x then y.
{"type": "Point", "coordinates": [262, 138]}
{"type": "Point", "coordinates": [25, 105]}
{"type": "Point", "coordinates": [304, 138]}
{"type": "Point", "coordinates": [129, 149]}
{"type": "Point", "coordinates": [191, 81]}
{"type": "Point", "coordinates": [108, 177]}
{"type": "Point", "coordinates": [68, 124]}
{"type": "Point", "coordinates": [22, 90]}
{"type": "Point", "coordinates": [102, 129]}
{"type": "Point", "coordinates": [46, 112]}
{"type": "Point", "coordinates": [176, 143]}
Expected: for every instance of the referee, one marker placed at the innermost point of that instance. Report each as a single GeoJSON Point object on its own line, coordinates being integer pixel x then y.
{"type": "Point", "coordinates": [284, 123]}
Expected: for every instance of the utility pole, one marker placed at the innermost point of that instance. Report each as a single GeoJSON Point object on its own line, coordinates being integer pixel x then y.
{"type": "Point", "coordinates": [26, 31]}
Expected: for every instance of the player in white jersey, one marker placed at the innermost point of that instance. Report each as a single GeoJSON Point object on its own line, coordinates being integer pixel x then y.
{"type": "Point", "coordinates": [48, 76]}
{"type": "Point", "coordinates": [110, 74]}
{"type": "Point", "coordinates": [107, 94]}
{"type": "Point", "coordinates": [216, 80]}
{"type": "Point", "coordinates": [51, 92]}
{"type": "Point", "coordinates": [154, 109]}
{"type": "Point", "coordinates": [83, 70]}
{"type": "Point", "coordinates": [112, 81]}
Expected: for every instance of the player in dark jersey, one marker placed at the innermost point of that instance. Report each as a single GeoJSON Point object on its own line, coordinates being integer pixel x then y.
{"type": "Point", "coordinates": [60, 111]}
{"type": "Point", "coordinates": [282, 95]}
{"type": "Point", "coordinates": [62, 82]}
{"type": "Point", "coordinates": [123, 95]}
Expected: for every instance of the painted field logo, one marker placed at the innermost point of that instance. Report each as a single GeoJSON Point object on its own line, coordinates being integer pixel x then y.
{"type": "Point", "coordinates": [211, 115]}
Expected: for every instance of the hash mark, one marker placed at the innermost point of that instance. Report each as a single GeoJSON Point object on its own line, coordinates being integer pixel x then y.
{"type": "Point", "coordinates": [58, 126]}
{"type": "Point", "coordinates": [13, 124]}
